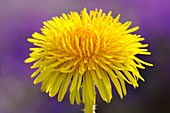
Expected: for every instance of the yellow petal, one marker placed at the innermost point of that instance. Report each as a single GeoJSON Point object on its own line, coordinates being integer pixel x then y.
{"type": "Point", "coordinates": [117, 86]}
{"type": "Point", "coordinates": [74, 82]}
{"type": "Point", "coordinates": [64, 87]}
{"type": "Point", "coordinates": [29, 60]}
{"type": "Point", "coordinates": [59, 80]}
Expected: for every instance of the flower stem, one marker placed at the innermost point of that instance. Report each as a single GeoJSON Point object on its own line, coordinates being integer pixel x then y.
{"type": "Point", "coordinates": [89, 108]}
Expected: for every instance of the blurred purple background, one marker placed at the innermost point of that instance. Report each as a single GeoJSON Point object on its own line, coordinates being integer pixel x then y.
{"type": "Point", "coordinates": [20, 18]}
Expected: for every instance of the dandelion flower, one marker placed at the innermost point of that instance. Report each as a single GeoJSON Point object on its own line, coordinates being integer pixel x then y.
{"type": "Point", "coordinates": [86, 51]}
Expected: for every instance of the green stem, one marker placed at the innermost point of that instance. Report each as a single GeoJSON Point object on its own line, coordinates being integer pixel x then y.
{"type": "Point", "coordinates": [89, 108]}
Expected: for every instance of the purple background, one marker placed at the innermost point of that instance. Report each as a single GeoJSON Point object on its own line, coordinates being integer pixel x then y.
{"type": "Point", "coordinates": [20, 18]}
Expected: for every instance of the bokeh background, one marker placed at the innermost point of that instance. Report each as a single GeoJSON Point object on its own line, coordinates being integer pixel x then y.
{"type": "Point", "coordinates": [20, 18]}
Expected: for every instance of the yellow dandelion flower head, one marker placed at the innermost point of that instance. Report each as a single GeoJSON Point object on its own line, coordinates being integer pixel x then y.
{"type": "Point", "coordinates": [86, 51]}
